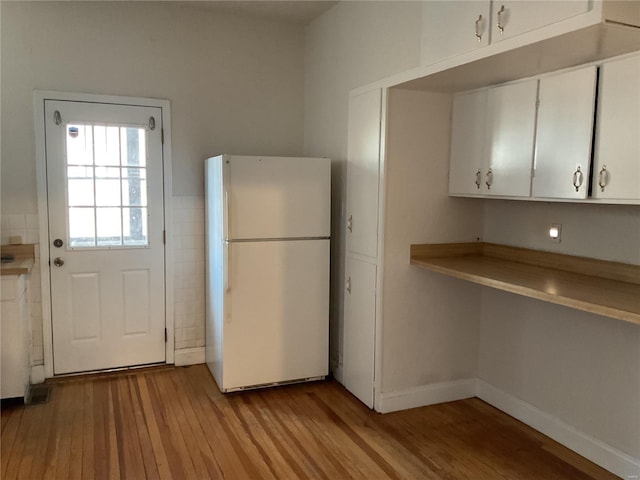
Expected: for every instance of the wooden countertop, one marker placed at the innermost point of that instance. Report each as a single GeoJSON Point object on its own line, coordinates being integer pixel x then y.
{"type": "Point", "coordinates": [606, 288]}
{"type": "Point", "coordinates": [24, 259]}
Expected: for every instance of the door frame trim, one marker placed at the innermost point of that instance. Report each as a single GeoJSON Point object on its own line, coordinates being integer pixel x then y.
{"type": "Point", "coordinates": [39, 97]}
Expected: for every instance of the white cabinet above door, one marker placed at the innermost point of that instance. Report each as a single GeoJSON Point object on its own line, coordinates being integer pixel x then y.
{"type": "Point", "coordinates": [616, 172]}
{"type": "Point", "coordinates": [510, 130]}
{"type": "Point", "coordinates": [363, 155]}
{"type": "Point", "coordinates": [564, 133]}
{"type": "Point", "coordinates": [467, 143]}
{"type": "Point", "coordinates": [452, 28]}
{"type": "Point", "coordinates": [513, 17]}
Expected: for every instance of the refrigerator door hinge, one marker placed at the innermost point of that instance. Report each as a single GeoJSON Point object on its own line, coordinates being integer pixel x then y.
{"type": "Point", "coordinates": [165, 335]}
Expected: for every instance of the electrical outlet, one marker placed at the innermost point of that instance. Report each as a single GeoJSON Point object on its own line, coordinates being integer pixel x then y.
{"type": "Point", "coordinates": [555, 232]}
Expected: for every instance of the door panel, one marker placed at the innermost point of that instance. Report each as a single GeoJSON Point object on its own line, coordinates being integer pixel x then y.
{"type": "Point", "coordinates": [518, 16]}
{"type": "Point", "coordinates": [278, 197]}
{"type": "Point", "coordinates": [106, 222]}
{"type": "Point", "coordinates": [359, 330]}
{"type": "Point", "coordinates": [452, 28]}
{"type": "Point", "coordinates": [467, 143]}
{"type": "Point", "coordinates": [363, 155]}
{"type": "Point", "coordinates": [511, 122]}
{"type": "Point", "coordinates": [565, 130]}
{"type": "Point", "coordinates": [277, 320]}
{"type": "Point", "coordinates": [617, 169]}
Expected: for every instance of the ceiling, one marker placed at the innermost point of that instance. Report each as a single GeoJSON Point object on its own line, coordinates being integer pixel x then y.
{"type": "Point", "coordinates": [299, 12]}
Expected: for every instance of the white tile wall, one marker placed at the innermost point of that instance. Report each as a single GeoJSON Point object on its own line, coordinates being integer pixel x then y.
{"type": "Point", "coordinates": [189, 274]}
{"type": "Point", "coordinates": [26, 226]}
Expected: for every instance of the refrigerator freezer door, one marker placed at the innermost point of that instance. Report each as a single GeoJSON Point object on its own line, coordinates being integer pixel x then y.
{"type": "Point", "coordinates": [278, 197]}
{"type": "Point", "coordinates": [277, 319]}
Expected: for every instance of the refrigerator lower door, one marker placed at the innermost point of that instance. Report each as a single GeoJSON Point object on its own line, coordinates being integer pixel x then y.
{"type": "Point", "coordinates": [276, 326]}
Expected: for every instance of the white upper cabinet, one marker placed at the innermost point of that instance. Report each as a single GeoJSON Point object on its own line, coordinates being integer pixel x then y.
{"type": "Point", "coordinates": [564, 133]}
{"type": "Point", "coordinates": [363, 155]}
{"type": "Point", "coordinates": [451, 28]}
{"type": "Point", "coordinates": [511, 117]}
{"type": "Point", "coordinates": [513, 17]}
{"type": "Point", "coordinates": [492, 141]}
{"type": "Point", "coordinates": [617, 151]}
{"type": "Point", "coordinates": [467, 143]}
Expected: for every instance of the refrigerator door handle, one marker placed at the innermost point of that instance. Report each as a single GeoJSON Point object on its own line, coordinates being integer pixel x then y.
{"type": "Point", "coordinates": [225, 266]}
{"type": "Point", "coordinates": [225, 215]}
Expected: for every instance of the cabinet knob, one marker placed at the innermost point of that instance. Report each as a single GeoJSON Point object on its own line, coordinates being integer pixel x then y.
{"type": "Point", "coordinates": [603, 178]}
{"type": "Point", "coordinates": [500, 25]}
{"type": "Point", "coordinates": [478, 34]}
{"type": "Point", "coordinates": [578, 178]}
{"type": "Point", "coordinates": [489, 179]}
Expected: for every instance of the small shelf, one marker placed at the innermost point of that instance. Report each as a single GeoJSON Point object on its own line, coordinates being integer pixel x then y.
{"type": "Point", "coordinates": [605, 288]}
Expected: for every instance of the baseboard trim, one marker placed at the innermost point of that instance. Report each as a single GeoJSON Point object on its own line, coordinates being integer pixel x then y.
{"type": "Point", "coordinates": [427, 395]}
{"type": "Point", "coordinates": [37, 374]}
{"type": "Point", "coordinates": [589, 447]}
{"type": "Point", "coordinates": [188, 356]}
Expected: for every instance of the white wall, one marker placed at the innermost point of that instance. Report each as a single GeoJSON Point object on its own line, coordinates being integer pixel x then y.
{"type": "Point", "coordinates": [235, 84]}
{"type": "Point", "coordinates": [352, 44]}
{"type": "Point", "coordinates": [581, 368]}
{"type": "Point", "coordinates": [430, 322]}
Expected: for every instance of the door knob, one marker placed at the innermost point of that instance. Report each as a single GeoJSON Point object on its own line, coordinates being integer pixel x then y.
{"type": "Point", "coordinates": [58, 261]}
{"type": "Point", "coordinates": [57, 243]}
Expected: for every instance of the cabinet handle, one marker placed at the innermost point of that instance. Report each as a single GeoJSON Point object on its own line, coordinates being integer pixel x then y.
{"type": "Point", "coordinates": [478, 178]}
{"type": "Point", "coordinates": [603, 178]}
{"type": "Point", "coordinates": [478, 34]}
{"type": "Point", "coordinates": [500, 24]}
{"type": "Point", "coordinates": [350, 223]}
{"type": "Point", "coordinates": [578, 177]}
{"type": "Point", "coordinates": [489, 179]}
{"type": "Point", "coordinates": [349, 285]}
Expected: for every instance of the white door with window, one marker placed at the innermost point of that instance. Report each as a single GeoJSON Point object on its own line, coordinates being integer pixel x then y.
{"type": "Point", "coordinates": [106, 228]}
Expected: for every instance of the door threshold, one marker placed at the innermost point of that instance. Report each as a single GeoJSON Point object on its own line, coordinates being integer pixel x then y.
{"type": "Point", "coordinates": [91, 375]}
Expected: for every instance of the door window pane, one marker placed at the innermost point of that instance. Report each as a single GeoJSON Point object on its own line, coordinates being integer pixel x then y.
{"type": "Point", "coordinates": [134, 187]}
{"type": "Point", "coordinates": [109, 227]}
{"type": "Point", "coordinates": [135, 226]}
{"type": "Point", "coordinates": [106, 145]}
{"type": "Point", "coordinates": [79, 145]}
{"type": "Point", "coordinates": [108, 192]}
{"type": "Point", "coordinates": [133, 142]}
{"type": "Point", "coordinates": [113, 193]}
{"type": "Point", "coordinates": [82, 227]}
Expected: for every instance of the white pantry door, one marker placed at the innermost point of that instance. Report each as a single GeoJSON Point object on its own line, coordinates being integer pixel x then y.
{"type": "Point", "coordinates": [106, 222]}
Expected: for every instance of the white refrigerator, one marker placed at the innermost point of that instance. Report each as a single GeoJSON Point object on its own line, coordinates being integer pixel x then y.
{"type": "Point", "coordinates": [267, 270]}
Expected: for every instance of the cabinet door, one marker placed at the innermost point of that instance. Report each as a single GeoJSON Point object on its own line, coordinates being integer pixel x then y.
{"type": "Point", "coordinates": [467, 143]}
{"type": "Point", "coordinates": [363, 155]}
{"type": "Point", "coordinates": [359, 329]}
{"type": "Point", "coordinates": [511, 113]}
{"type": "Point", "coordinates": [452, 28]}
{"type": "Point", "coordinates": [513, 17]}
{"type": "Point", "coordinates": [564, 133]}
{"type": "Point", "coordinates": [617, 152]}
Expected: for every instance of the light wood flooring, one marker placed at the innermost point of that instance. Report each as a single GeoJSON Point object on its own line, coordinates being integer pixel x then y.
{"type": "Point", "coordinates": [174, 423]}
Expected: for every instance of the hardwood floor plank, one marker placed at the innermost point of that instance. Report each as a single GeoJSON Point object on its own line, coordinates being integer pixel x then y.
{"type": "Point", "coordinates": [222, 443]}
{"type": "Point", "coordinates": [152, 427]}
{"type": "Point", "coordinates": [88, 435]}
{"type": "Point", "coordinates": [9, 436]}
{"type": "Point", "coordinates": [143, 440]}
{"type": "Point", "coordinates": [173, 423]}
